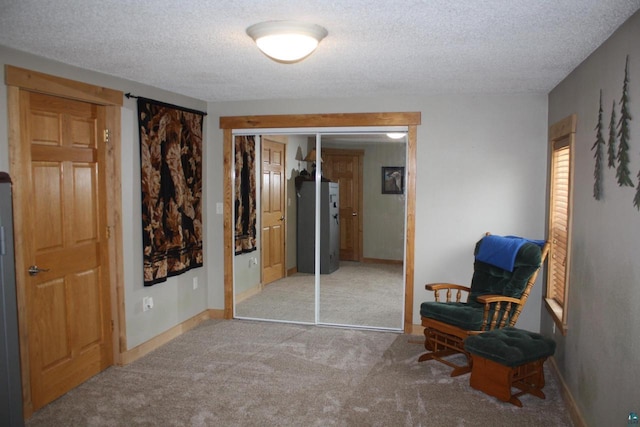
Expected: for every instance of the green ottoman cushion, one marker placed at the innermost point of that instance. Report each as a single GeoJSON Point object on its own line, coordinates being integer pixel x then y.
{"type": "Point", "coordinates": [510, 346]}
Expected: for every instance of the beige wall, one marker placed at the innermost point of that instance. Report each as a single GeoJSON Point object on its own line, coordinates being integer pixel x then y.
{"type": "Point", "coordinates": [600, 355]}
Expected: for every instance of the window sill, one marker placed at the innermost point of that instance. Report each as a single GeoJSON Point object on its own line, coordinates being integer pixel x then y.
{"type": "Point", "coordinates": [557, 313]}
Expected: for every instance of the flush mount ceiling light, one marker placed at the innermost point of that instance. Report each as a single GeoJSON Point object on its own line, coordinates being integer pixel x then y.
{"type": "Point", "coordinates": [286, 41]}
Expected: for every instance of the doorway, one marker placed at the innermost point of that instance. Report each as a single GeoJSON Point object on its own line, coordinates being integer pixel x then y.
{"type": "Point", "coordinates": [273, 188]}
{"type": "Point", "coordinates": [64, 151]}
{"type": "Point", "coordinates": [408, 123]}
{"type": "Point", "coordinates": [344, 166]}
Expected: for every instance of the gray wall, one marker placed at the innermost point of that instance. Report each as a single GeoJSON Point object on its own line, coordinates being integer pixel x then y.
{"type": "Point", "coordinates": [600, 356]}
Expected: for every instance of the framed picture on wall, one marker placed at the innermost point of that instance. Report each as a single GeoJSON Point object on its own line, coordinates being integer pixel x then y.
{"type": "Point", "coordinates": [392, 179]}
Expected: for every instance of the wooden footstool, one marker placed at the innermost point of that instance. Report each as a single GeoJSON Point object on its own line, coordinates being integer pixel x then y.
{"type": "Point", "coordinates": [508, 358]}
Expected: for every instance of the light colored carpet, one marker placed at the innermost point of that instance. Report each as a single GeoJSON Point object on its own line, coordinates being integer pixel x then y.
{"type": "Point", "coordinates": [244, 373]}
{"type": "Point", "coordinates": [357, 294]}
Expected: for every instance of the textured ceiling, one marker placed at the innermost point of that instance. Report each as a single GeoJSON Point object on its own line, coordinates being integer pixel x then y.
{"type": "Point", "coordinates": [199, 48]}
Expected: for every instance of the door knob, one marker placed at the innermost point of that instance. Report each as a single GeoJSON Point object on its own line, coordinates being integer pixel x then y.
{"type": "Point", "coordinates": [354, 214]}
{"type": "Point", "coordinates": [34, 270]}
{"type": "Point", "coordinates": [282, 218]}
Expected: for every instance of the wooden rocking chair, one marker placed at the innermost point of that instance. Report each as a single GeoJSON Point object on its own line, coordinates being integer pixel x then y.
{"type": "Point", "coordinates": [505, 270]}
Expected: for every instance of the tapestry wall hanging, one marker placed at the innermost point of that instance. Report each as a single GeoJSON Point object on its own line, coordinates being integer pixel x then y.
{"type": "Point", "coordinates": [171, 173]}
{"type": "Point", "coordinates": [245, 194]}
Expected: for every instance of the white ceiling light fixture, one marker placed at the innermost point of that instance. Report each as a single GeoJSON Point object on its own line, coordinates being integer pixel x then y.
{"type": "Point", "coordinates": [287, 41]}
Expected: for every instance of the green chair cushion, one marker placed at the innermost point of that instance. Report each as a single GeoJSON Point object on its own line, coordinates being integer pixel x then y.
{"type": "Point", "coordinates": [462, 315]}
{"type": "Point", "coordinates": [510, 346]}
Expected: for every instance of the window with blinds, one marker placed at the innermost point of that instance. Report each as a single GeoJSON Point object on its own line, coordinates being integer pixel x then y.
{"type": "Point", "coordinates": [562, 135]}
{"type": "Point", "coordinates": [559, 218]}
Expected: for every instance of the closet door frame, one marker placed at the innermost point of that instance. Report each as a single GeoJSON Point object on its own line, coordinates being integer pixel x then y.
{"type": "Point", "coordinates": [409, 120]}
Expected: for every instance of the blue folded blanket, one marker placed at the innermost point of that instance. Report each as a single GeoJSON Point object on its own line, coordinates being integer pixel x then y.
{"type": "Point", "coordinates": [501, 251]}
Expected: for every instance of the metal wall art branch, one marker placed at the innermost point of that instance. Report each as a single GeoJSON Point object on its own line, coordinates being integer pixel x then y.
{"type": "Point", "coordinates": [623, 173]}
{"type": "Point", "coordinates": [598, 147]}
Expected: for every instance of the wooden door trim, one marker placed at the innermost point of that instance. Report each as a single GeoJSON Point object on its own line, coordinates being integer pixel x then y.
{"type": "Point", "coordinates": [19, 80]}
{"type": "Point", "coordinates": [411, 120]}
{"type": "Point", "coordinates": [51, 85]}
{"type": "Point", "coordinates": [360, 154]}
{"type": "Point", "coordinates": [320, 120]}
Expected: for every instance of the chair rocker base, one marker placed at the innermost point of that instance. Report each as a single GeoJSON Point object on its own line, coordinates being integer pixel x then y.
{"type": "Point", "coordinates": [498, 380]}
{"type": "Point", "coordinates": [440, 344]}
{"type": "Point", "coordinates": [457, 369]}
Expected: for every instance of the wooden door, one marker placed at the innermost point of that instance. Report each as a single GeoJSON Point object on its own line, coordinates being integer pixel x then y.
{"type": "Point", "coordinates": [345, 168]}
{"type": "Point", "coordinates": [64, 232]}
{"type": "Point", "coordinates": [273, 209]}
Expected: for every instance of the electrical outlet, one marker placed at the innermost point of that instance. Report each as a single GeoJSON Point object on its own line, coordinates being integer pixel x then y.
{"type": "Point", "coordinates": [195, 283]}
{"type": "Point", "coordinates": [147, 303]}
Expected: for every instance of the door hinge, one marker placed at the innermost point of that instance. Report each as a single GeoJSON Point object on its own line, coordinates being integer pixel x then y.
{"type": "Point", "coordinates": [107, 136]}
{"type": "Point", "coordinates": [112, 326]}
{"type": "Point", "coordinates": [108, 232]}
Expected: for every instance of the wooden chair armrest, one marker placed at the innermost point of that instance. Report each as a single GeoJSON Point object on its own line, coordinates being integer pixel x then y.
{"type": "Point", "coordinates": [488, 299]}
{"type": "Point", "coordinates": [437, 287]}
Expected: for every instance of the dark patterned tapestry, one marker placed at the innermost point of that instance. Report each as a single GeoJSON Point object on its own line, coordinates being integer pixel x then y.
{"type": "Point", "coordinates": [245, 194]}
{"type": "Point", "coordinates": [171, 163]}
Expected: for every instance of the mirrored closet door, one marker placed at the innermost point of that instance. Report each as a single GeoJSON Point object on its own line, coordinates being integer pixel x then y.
{"type": "Point", "coordinates": [334, 200]}
{"type": "Point", "coordinates": [267, 283]}
{"type": "Point", "coordinates": [367, 288]}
